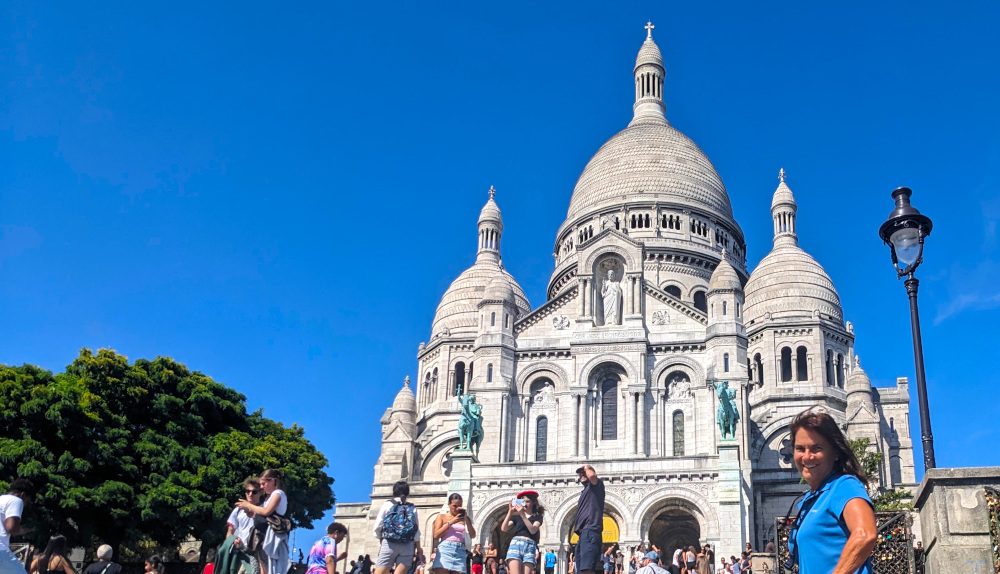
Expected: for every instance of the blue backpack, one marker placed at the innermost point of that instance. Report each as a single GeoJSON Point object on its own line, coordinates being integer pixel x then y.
{"type": "Point", "coordinates": [400, 523]}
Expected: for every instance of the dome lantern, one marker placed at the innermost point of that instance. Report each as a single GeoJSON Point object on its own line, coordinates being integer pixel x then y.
{"type": "Point", "coordinates": [649, 73]}
{"type": "Point", "coordinates": [490, 229]}
{"type": "Point", "coordinates": [783, 210]}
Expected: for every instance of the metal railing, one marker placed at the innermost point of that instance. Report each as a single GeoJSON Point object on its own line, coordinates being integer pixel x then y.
{"type": "Point", "coordinates": [993, 511]}
{"type": "Point", "coordinates": [893, 552]}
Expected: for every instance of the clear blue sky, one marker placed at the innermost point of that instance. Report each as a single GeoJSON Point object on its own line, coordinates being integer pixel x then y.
{"type": "Point", "coordinates": [279, 198]}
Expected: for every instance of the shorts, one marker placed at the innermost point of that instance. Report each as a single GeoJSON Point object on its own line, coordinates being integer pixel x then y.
{"type": "Point", "coordinates": [588, 550]}
{"type": "Point", "coordinates": [477, 569]}
{"type": "Point", "coordinates": [450, 555]}
{"type": "Point", "coordinates": [9, 564]}
{"type": "Point", "coordinates": [523, 549]}
{"type": "Point", "coordinates": [392, 553]}
{"type": "Point", "coordinates": [550, 569]}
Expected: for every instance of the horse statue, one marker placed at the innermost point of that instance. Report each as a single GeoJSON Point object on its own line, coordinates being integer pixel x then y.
{"type": "Point", "coordinates": [470, 426]}
{"type": "Point", "coordinates": [726, 416]}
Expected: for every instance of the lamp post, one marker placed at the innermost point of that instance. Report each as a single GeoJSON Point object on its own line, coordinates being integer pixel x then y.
{"type": "Point", "coordinates": [904, 233]}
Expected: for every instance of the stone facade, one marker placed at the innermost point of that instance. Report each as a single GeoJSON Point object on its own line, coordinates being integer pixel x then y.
{"type": "Point", "coordinates": [649, 305]}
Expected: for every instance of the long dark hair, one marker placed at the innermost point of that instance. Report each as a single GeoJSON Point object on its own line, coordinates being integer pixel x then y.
{"type": "Point", "coordinates": [157, 563]}
{"type": "Point", "coordinates": [536, 507]}
{"type": "Point", "coordinates": [56, 547]}
{"type": "Point", "coordinates": [823, 424]}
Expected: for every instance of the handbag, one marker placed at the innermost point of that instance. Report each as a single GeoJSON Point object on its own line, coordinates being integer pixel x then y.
{"type": "Point", "coordinates": [279, 524]}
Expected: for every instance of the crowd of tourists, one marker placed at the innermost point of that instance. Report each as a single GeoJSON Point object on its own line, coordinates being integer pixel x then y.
{"type": "Point", "coordinates": [833, 530]}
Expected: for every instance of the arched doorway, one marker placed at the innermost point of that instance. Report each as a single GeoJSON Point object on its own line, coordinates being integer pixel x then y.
{"type": "Point", "coordinates": [674, 527]}
{"type": "Point", "coordinates": [500, 539]}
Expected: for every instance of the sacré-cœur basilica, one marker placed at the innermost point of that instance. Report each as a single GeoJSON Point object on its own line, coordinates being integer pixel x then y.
{"type": "Point", "coordinates": [649, 309]}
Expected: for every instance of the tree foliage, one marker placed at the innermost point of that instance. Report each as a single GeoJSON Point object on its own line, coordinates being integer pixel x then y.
{"type": "Point", "coordinates": [871, 462]}
{"type": "Point", "coordinates": [148, 451]}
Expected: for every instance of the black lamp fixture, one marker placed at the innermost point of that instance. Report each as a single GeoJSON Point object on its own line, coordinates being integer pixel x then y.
{"type": "Point", "coordinates": [904, 233]}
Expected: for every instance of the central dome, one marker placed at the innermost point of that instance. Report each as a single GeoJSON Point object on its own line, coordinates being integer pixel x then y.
{"type": "Point", "coordinates": [650, 160]}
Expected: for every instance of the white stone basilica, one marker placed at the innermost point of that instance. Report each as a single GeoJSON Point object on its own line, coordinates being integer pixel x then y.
{"type": "Point", "coordinates": [650, 304]}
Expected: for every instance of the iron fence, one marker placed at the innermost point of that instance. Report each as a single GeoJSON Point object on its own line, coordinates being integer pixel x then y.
{"type": "Point", "coordinates": [893, 552]}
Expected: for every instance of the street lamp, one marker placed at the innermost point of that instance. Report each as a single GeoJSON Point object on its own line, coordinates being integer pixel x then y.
{"type": "Point", "coordinates": [904, 232]}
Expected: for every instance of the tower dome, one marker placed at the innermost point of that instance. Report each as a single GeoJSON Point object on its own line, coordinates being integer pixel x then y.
{"type": "Point", "coordinates": [458, 314]}
{"type": "Point", "coordinates": [405, 401]}
{"type": "Point", "coordinates": [500, 290]}
{"type": "Point", "coordinates": [724, 278]}
{"type": "Point", "coordinates": [858, 381]}
{"type": "Point", "coordinates": [788, 282]}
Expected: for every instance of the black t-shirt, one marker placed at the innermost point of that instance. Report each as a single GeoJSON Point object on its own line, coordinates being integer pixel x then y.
{"type": "Point", "coordinates": [477, 558]}
{"type": "Point", "coordinates": [521, 529]}
{"type": "Point", "coordinates": [590, 508]}
{"type": "Point", "coordinates": [98, 568]}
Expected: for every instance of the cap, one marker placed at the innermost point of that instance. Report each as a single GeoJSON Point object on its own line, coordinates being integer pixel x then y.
{"type": "Point", "coordinates": [651, 556]}
{"type": "Point", "coordinates": [530, 493]}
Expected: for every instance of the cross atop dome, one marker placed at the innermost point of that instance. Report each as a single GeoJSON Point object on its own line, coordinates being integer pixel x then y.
{"type": "Point", "coordinates": [649, 29]}
{"type": "Point", "coordinates": [781, 175]}
{"type": "Point", "coordinates": [493, 192]}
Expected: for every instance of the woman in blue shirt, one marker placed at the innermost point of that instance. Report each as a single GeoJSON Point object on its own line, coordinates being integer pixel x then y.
{"type": "Point", "coordinates": [834, 532]}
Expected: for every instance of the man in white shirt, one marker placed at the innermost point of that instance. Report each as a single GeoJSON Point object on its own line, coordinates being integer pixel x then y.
{"type": "Point", "coordinates": [650, 564]}
{"type": "Point", "coordinates": [11, 508]}
{"type": "Point", "coordinates": [675, 564]}
{"type": "Point", "coordinates": [396, 556]}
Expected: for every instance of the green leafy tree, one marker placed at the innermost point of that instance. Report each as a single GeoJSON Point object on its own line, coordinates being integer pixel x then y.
{"type": "Point", "coordinates": [144, 452]}
{"type": "Point", "coordinates": [871, 462]}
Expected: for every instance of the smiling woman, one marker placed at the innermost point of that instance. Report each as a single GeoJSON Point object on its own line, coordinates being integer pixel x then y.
{"type": "Point", "coordinates": [834, 530]}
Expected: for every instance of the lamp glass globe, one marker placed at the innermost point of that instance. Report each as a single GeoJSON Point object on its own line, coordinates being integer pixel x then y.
{"type": "Point", "coordinates": [906, 242]}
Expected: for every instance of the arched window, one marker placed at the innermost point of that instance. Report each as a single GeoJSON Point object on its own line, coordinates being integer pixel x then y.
{"type": "Point", "coordinates": [459, 388]}
{"type": "Point", "coordinates": [699, 301]}
{"type": "Point", "coordinates": [505, 319]}
{"type": "Point", "coordinates": [678, 433]}
{"type": "Point", "coordinates": [725, 362]}
{"type": "Point", "coordinates": [760, 368]}
{"type": "Point", "coordinates": [489, 373]}
{"type": "Point", "coordinates": [840, 370]}
{"type": "Point", "coordinates": [724, 310]}
{"type": "Point", "coordinates": [801, 365]}
{"type": "Point", "coordinates": [673, 290]}
{"type": "Point", "coordinates": [786, 364]}
{"type": "Point", "coordinates": [609, 410]}
{"type": "Point", "coordinates": [541, 438]}
{"type": "Point", "coordinates": [829, 367]}
{"type": "Point", "coordinates": [493, 319]}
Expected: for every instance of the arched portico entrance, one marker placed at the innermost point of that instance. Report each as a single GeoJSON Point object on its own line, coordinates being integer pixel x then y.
{"type": "Point", "coordinates": [674, 527]}
{"type": "Point", "coordinates": [499, 538]}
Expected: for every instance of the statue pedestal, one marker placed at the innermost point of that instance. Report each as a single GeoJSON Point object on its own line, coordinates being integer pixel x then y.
{"type": "Point", "coordinates": [729, 472]}
{"type": "Point", "coordinates": [460, 480]}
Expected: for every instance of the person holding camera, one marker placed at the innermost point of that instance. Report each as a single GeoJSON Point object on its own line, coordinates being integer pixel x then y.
{"type": "Point", "coordinates": [450, 528]}
{"type": "Point", "coordinates": [524, 516]}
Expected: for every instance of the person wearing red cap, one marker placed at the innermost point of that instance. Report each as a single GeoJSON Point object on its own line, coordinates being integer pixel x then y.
{"type": "Point", "coordinates": [524, 516]}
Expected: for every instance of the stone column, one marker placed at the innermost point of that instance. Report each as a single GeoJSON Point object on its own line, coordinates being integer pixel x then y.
{"type": "Point", "coordinates": [641, 422]}
{"type": "Point", "coordinates": [576, 426]}
{"type": "Point", "coordinates": [630, 425]}
{"type": "Point", "coordinates": [504, 428]}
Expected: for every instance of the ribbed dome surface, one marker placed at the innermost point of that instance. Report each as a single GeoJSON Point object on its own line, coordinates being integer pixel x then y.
{"type": "Point", "coordinates": [650, 160]}
{"type": "Point", "coordinates": [724, 278]}
{"type": "Point", "coordinates": [405, 400]}
{"type": "Point", "coordinates": [782, 196]}
{"type": "Point", "coordinates": [649, 53]}
{"type": "Point", "coordinates": [459, 311]}
{"type": "Point", "coordinates": [490, 212]}
{"type": "Point", "coordinates": [790, 282]}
